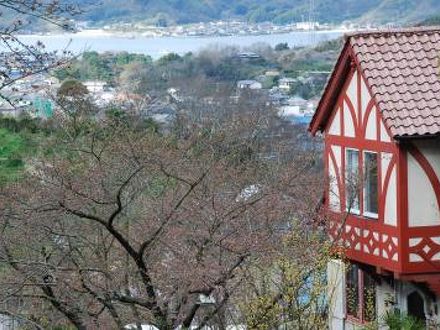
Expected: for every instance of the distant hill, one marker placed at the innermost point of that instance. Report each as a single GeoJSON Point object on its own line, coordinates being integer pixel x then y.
{"type": "Point", "coordinates": [278, 11]}
{"type": "Point", "coordinates": [403, 11]}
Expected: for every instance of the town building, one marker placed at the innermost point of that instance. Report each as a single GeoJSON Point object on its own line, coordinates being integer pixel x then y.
{"type": "Point", "coordinates": [286, 84]}
{"type": "Point", "coordinates": [272, 73]}
{"type": "Point", "coordinates": [248, 55]}
{"type": "Point", "coordinates": [95, 86]}
{"type": "Point", "coordinates": [380, 119]}
{"type": "Point", "coordinates": [249, 84]}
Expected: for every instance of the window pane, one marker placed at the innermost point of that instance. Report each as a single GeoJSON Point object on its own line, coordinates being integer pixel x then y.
{"type": "Point", "coordinates": [352, 180]}
{"type": "Point", "coordinates": [369, 293]}
{"type": "Point", "coordinates": [371, 182]}
{"type": "Point", "coordinates": [352, 291]}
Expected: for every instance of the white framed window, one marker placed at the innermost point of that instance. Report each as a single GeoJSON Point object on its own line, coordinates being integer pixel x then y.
{"type": "Point", "coordinates": [370, 185]}
{"type": "Point", "coordinates": [352, 181]}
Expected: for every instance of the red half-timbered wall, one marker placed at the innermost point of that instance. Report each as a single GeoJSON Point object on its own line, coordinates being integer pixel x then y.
{"type": "Point", "coordinates": [356, 124]}
{"type": "Point", "coordinates": [396, 239]}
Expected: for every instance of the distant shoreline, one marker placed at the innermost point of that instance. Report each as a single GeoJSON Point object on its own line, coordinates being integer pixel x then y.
{"type": "Point", "coordinates": [102, 41]}
{"type": "Point", "coordinates": [102, 33]}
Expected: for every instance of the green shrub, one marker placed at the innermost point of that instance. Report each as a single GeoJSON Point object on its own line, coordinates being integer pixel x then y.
{"type": "Point", "coordinates": [396, 320]}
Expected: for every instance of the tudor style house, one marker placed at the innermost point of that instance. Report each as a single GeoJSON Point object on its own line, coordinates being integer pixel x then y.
{"type": "Point", "coordinates": [380, 119]}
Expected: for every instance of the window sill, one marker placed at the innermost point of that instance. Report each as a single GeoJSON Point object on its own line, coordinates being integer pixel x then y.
{"type": "Point", "coordinates": [369, 215]}
{"type": "Point", "coordinates": [355, 320]}
{"type": "Point", "coordinates": [353, 212]}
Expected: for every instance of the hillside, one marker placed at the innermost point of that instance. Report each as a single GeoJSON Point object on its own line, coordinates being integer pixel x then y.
{"type": "Point", "coordinates": [278, 11]}
{"type": "Point", "coordinates": [404, 11]}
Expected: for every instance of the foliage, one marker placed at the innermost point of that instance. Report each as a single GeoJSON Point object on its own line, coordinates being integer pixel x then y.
{"type": "Point", "coordinates": [20, 125]}
{"type": "Point", "coordinates": [396, 320]}
{"type": "Point", "coordinates": [370, 303]}
{"type": "Point", "coordinates": [95, 66]}
{"type": "Point", "coordinates": [403, 12]}
{"type": "Point", "coordinates": [11, 164]}
{"type": "Point", "coordinates": [113, 223]}
{"type": "Point", "coordinates": [164, 12]}
{"type": "Point", "coordinates": [169, 58]}
{"type": "Point", "coordinates": [295, 296]}
{"type": "Point", "coordinates": [282, 46]}
{"type": "Point", "coordinates": [17, 141]}
{"type": "Point", "coordinates": [72, 88]}
{"type": "Point", "coordinates": [214, 65]}
{"type": "Point", "coordinates": [330, 45]}
{"type": "Point", "coordinates": [430, 21]}
{"type": "Point", "coordinates": [116, 224]}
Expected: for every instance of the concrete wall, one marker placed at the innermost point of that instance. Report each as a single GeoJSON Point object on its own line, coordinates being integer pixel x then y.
{"type": "Point", "coordinates": [336, 294]}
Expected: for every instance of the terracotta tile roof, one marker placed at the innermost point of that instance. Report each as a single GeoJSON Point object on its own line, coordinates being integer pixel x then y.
{"type": "Point", "coordinates": [403, 71]}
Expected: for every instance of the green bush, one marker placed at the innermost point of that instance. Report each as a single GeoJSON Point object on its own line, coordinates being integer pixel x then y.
{"type": "Point", "coordinates": [396, 320]}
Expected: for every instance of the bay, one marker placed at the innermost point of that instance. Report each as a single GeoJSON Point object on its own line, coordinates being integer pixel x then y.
{"type": "Point", "coordinates": [159, 46]}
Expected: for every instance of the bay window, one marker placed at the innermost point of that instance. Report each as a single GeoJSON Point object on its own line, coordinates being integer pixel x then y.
{"type": "Point", "coordinates": [355, 169]}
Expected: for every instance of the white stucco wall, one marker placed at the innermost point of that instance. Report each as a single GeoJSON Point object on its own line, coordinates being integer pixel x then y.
{"type": "Point", "coordinates": [390, 212]}
{"type": "Point", "coordinates": [335, 126]}
{"type": "Point", "coordinates": [423, 207]}
{"type": "Point", "coordinates": [365, 96]}
{"type": "Point", "coordinates": [349, 122]}
{"type": "Point", "coordinates": [431, 150]}
{"type": "Point", "coordinates": [336, 294]}
{"type": "Point", "coordinates": [371, 131]}
{"type": "Point", "coordinates": [384, 294]}
{"type": "Point", "coordinates": [352, 91]}
{"type": "Point", "coordinates": [384, 136]}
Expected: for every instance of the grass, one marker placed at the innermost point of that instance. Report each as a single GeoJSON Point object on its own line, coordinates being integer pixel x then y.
{"type": "Point", "coordinates": [13, 148]}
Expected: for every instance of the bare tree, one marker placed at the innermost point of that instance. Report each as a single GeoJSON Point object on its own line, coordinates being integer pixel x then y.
{"type": "Point", "coordinates": [115, 224]}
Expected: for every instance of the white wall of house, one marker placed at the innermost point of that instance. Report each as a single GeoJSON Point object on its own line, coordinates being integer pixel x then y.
{"type": "Point", "coordinates": [362, 116]}
{"type": "Point", "coordinates": [384, 294]}
{"type": "Point", "coordinates": [335, 126]}
{"type": "Point", "coordinates": [349, 121]}
{"type": "Point", "coordinates": [336, 294]}
{"type": "Point", "coordinates": [422, 201]}
{"type": "Point", "coordinates": [390, 211]}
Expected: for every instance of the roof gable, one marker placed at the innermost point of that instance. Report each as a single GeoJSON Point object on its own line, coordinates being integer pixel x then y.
{"type": "Point", "coordinates": [402, 69]}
